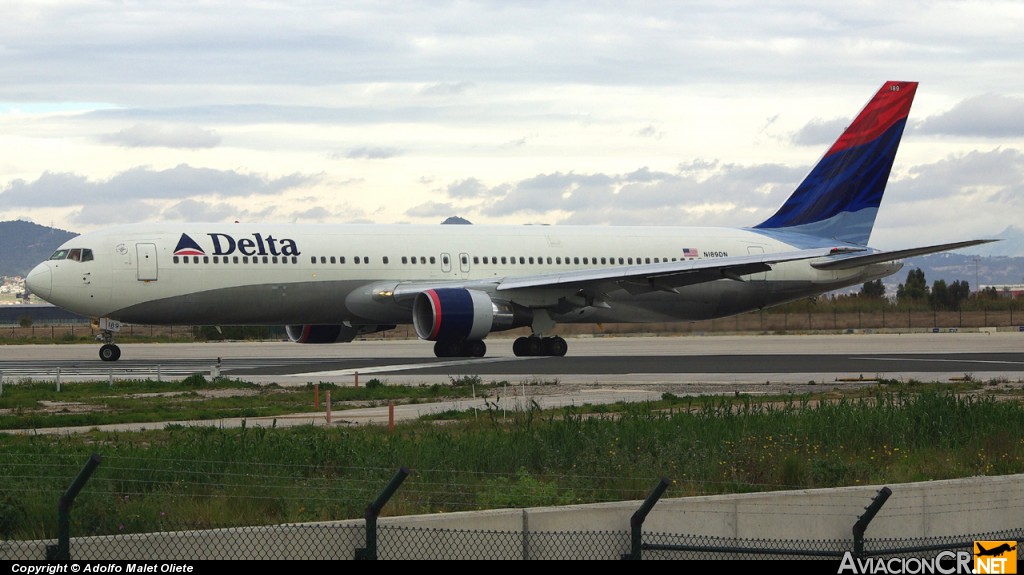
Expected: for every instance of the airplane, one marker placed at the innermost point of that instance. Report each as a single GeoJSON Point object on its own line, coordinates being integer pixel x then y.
{"type": "Point", "coordinates": [456, 284]}
{"type": "Point", "coordinates": [995, 551]}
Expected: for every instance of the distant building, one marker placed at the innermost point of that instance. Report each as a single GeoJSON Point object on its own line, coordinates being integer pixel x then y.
{"type": "Point", "coordinates": [1008, 291]}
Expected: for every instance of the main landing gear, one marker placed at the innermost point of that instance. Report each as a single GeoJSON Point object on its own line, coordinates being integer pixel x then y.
{"type": "Point", "coordinates": [534, 345]}
{"type": "Point", "coordinates": [523, 346]}
{"type": "Point", "coordinates": [466, 348]}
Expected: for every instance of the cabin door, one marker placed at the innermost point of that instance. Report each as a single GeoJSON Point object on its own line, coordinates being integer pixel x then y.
{"type": "Point", "coordinates": [146, 262]}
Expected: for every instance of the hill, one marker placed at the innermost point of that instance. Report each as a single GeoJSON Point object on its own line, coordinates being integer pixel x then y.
{"type": "Point", "coordinates": [24, 244]}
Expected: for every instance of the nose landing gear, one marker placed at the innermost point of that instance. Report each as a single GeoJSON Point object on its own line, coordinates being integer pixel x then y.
{"type": "Point", "coordinates": [108, 351]}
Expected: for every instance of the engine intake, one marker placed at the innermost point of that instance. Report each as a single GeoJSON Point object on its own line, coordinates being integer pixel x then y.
{"type": "Point", "coordinates": [459, 314]}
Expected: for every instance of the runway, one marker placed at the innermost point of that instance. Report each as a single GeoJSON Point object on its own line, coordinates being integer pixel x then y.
{"type": "Point", "coordinates": [751, 359]}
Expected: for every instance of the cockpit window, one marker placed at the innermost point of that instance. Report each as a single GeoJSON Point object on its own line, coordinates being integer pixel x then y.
{"type": "Point", "coordinates": [76, 254]}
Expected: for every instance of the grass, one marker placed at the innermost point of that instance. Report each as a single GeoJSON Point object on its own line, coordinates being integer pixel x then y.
{"type": "Point", "coordinates": [184, 477]}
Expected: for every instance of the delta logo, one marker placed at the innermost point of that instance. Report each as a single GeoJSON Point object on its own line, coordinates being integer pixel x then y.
{"type": "Point", "coordinates": [995, 557]}
{"type": "Point", "coordinates": [226, 244]}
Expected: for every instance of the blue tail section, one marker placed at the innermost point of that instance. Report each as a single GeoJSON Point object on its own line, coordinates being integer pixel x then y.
{"type": "Point", "coordinates": [840, 197]}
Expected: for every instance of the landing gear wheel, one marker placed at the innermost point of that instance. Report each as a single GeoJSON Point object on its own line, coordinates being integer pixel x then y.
{"type": "Point", "coordinates": [555, 346]}
{"type": "Point", "coordinates": [110, 352]}
{"type": "Point", "coordinates": [528, 346]}
{"type": "Point", "coordinates": [446, 348]}
{"type": "Point", "coordinates": [475, 348]}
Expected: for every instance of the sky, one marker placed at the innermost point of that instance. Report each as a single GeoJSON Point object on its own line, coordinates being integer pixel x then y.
{"type": "Point", "coordinates": [701, 113]}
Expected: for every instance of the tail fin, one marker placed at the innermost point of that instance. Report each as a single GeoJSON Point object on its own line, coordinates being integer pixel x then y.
{"type": "Point", "coordinates": [840, 197]}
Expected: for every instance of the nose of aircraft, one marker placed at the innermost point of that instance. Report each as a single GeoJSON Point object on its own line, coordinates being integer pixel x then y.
{"type": "Point", "coordinates": [39, 281]}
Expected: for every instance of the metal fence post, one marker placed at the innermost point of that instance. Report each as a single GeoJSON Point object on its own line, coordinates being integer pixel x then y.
{"type": "Point", "coordinates": [636, 522]}
{"type": "Point", "coordinates": [373, 511]}
{"type": "Point", "coordinates": [862, 522]}
{"type": "Point", "coordinates": [62, 550]}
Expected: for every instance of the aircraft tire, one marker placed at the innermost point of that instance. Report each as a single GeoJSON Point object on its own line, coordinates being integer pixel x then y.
{"type": "Point", "coordinates": [555, 346]}
{"type": "Point", "coordinates": [475, 348]}
{"type": "Point", "coordinates": [110, 352]}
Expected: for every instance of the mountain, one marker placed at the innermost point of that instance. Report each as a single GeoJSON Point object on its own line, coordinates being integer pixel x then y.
{"type": "Point", "coordinates": [1011, 244]}
{"type": "Point", "coordinates": [954, 266]}
{"type": "Point", "coordinates": [24, 244]}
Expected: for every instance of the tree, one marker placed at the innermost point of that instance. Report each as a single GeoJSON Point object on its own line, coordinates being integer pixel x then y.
{"type": "Point", "coordinates": [915, 289]}
{"type": "Point", "coordinates": [939, 297]}
{"type": "Point", "coordinates": [943, 297]}
{"type": "Point", "coordinates": [873, 290]}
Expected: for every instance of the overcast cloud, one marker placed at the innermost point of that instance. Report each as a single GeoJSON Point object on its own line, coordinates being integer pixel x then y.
{"type": "Point", "coordinates": [649, 113]}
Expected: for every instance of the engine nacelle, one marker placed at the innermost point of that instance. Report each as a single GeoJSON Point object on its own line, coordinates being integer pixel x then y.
{"type": "Point", "coordinates": [459, 314]}
{"type": "Point", "coordinates": [318, 333]}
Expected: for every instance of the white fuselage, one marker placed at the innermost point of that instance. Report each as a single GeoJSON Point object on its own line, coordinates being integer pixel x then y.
{"type": "Point", "coordinates": [241, 274]}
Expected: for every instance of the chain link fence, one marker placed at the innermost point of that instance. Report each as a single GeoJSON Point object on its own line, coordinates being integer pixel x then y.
{"type": "Point", "coordinates": [347, 541]}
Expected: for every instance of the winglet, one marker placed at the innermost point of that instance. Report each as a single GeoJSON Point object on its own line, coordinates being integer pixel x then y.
{"type": "Point", "coordinates": [840, 197]}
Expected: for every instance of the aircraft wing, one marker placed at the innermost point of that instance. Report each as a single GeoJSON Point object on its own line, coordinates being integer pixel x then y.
{"type": "Point", "coordinates": [640, 278]}
{"type": "Point", "coordinates": [665, 275]}
{"type": "Point", "coordinates": [853, 261]}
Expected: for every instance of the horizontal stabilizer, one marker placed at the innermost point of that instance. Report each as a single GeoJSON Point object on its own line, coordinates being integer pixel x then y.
{"type": "Point", "coordinates": [879, 257]}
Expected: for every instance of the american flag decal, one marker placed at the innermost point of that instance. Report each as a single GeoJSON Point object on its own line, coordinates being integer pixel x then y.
{"type": "Point", "coordinates": [690, 253]}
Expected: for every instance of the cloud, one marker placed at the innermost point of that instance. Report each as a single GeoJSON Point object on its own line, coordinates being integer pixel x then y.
{"type": "Point", "coordinates": [468, 188]}
{"type": "Point", "coordinates": [63, 189]}
{"type": "Point", "coordinates": [989, 115]}
{"type": "Point", "coordinates": [372, 153]}
{"type": "Point", "coordinates": [447, 88]}
{"type": "Point", "coordinates": [820, 132]}
{"type": "Point", "coordinates": [432, 209]}
{"type": "Point", "coordinates": [701, 193]}
{"type": "Point", "coordinates": [163, 135]}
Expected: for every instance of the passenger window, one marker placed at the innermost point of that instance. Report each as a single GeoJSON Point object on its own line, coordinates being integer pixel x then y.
{"type": "Point", "coordinates": [433, 260]}
{"type": "Point", "coordinates": [175, 259]}
{"type": "Point", "coordinates": [206, 259]}
{"type": "Point", "coordinates": [332, 259]}
{"type": "Point", "coordinates": [385, 259]}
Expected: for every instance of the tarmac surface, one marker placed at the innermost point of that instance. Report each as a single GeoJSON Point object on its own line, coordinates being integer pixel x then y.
{"type": "Point", "coordinates": [596, 369]}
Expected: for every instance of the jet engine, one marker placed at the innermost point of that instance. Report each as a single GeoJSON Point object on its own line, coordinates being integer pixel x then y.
{"type": "Point", "coordinates": [342, 333]}
{"type": "Point", "coordinates": [459, 314]}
